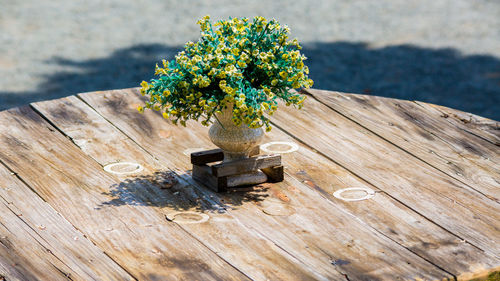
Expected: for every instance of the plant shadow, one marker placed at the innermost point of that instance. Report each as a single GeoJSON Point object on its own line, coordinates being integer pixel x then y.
{"type": "Point", "coordinates": [166, 189]}
{"type": "Point", "coordinates": [441, 76]}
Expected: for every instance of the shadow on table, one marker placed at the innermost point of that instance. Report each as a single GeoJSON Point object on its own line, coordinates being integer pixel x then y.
{"type": "Point", "coordinates": [165, 189]}
{"type": "Point", "coordinates": [441, 76]}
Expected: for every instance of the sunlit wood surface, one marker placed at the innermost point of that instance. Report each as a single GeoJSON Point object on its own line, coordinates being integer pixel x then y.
{"type": "Point", "coordinates": [68, 213]}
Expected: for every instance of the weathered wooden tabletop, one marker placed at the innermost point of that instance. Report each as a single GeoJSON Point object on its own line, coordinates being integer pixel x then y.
{"type": "Point", "coordinates": [66, 213]}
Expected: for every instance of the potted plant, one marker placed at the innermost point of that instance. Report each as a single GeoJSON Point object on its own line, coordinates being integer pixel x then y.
{"type": "Point", "coordinates": [232, 78]}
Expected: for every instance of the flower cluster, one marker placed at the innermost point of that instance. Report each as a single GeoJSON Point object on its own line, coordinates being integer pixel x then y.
{"type": "Point", "coordinates": [248, 64]}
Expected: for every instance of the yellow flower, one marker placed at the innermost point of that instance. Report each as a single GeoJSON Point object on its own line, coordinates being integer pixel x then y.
{"type": "Point", "coordinates": [244, 57]}
{"type": "Point", "coordinates": [203, 82]}
{"type": "Point", "coordinates": [242, 42]}
{"type": "Point", "coordinates": [242, 64]}
{"type": "Point", "coordinates": [140, 109]}
{"type": "Point", "coordinates": [221, 74]}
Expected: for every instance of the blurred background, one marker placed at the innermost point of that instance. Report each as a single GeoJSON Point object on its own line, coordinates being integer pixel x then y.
{"type": "Point", "coordinates": [445, 52]}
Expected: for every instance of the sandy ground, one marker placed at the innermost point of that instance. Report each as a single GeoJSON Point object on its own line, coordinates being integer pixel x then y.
{"type": "Point", "coordinates": [441, 51]}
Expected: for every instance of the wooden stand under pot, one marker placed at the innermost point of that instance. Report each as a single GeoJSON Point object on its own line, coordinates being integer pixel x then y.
{"type": "Point", "coordinates": [242, 172]}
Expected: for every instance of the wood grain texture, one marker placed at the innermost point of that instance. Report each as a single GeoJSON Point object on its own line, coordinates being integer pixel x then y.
{"type": "Point", "coordinates": [290, 214]}
{"type": "Point", "coordinates": [412, 228]}
{"type": "Point", "coordinates": [23, 255]}
{"type": "Point", "coordinates": [40, 226]}
{"type": "Point", "coordinates": [449, 203]}
{"type": "Point", "coordinates": [386, 215]}
{"type": "Point", "coordinates": [481, 127]}
{"type": "Point", "coordinates": [245, 165]}
{"type": "Point", "coordinates": [77, 187]}
{"type": "Point", "coordinates": [442, 145]}
{"type": "Point", "coordinates": [243, 247]}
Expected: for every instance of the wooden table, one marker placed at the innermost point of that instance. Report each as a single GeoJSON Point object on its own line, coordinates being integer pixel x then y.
{"type": "Point", "coordinates": [434, 212]}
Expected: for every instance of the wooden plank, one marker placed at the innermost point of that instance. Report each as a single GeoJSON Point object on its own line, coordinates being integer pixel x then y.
{"type": "Point", "coordinates": [440, 144]}
{"type": "Point", "coordinates": [207, 156]}
{"type": "Point", "coordinates": [22, 255]}
{"type": "Point", "coordinates": [77, 187]}
{"type": "Point", "coordinates": [451, 204]}
{"type": "Point", "coordinates": [246, 165]}
{"type": "Point", "coordinates": [481, 127]}
{"type": "Point", "coordinates": [245, 248]}
{"type": "Point", "coordinates": [10, 271]}
{"type": "Point", "coordinates": [203, 174]}
{"type": "Point", "coordinates": [275, 174]}
{"type": "Point", "coordinates": [81, 259]}
{"type": "Point", "coordinates": [290, 214]}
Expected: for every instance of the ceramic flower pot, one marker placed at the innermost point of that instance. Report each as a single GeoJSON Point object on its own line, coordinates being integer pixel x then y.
{"type": "Point", "coordinates": [235, 141]}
